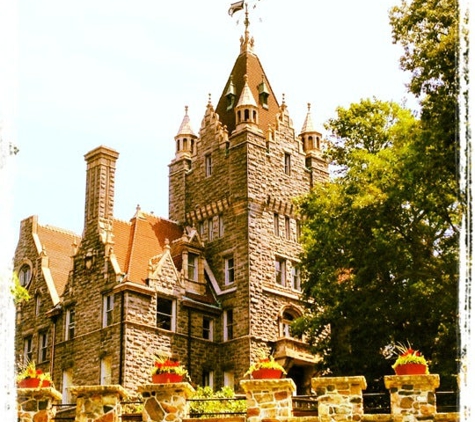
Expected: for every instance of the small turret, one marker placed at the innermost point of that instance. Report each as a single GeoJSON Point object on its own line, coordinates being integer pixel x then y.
{"type": "Point", "coordinates": [310, 137]}
{"type": "Point", "coordinates": [246, 108]}
{"type": "Point", "coordinates": [185, 138]}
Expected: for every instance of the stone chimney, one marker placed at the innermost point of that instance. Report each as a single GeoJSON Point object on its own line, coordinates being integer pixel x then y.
{"type": "Point", "coordinates": [100, 181]}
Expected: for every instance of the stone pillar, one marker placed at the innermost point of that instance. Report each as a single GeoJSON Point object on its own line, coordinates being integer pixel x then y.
{"type": "Point", "coordinates": [98, 403]}
{"type": "Point", "coordinates": [36, 404]}
{"type": "Point", "coordinates": [268, 398]}
{"type": "Point", "coordinates": [412, 397]}
{"type": "Point", "coordinates": [165, 402]}
{"type": "Point", "coordinates": [339, 398]}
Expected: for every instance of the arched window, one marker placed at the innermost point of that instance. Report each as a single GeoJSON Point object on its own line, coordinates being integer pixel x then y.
{"type": "Point", "coordinates": [289, 315]}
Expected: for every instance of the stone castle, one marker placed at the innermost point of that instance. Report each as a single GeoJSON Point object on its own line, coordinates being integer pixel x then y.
{"type": "Point", "coordinates": [212, 285]}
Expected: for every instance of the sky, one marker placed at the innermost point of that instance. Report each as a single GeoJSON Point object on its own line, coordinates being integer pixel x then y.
{"type": "Point", "coordinates": [120, 73]}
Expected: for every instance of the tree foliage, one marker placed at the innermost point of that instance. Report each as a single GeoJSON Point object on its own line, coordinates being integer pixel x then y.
{"type": "Point", "coordinates": [381, 239]}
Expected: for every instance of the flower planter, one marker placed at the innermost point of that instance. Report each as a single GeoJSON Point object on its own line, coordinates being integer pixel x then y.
{"type": "Point", "coordinates": [411, 369]}
{"type": "Point", "coordinates": [33, 383]}
{"type": "Point", "coordinates": [266, 373]}
{"type": "Point", "coordinates": [166, 378]}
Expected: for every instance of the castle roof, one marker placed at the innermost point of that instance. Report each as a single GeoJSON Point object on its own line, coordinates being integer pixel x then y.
{"type": "Point", "coordinates": [248, 64]}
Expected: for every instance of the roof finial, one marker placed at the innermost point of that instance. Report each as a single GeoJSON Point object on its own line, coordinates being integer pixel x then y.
{"type": "Point", "coordinates": [309, 106]}
{"type": "Point", "coordinates": [209, 98]}
{"type": "Point", "coordinates": [283, 98]}
{"type": "Point", "coordinates": [186, 110]}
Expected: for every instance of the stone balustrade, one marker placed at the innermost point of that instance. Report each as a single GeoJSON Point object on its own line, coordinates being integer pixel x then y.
{"type": "Point", "coordinates": [340, 399]}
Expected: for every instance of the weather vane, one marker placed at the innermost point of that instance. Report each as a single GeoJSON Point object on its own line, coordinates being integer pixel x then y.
{"type": "Point", "coordinates": [240, 5]}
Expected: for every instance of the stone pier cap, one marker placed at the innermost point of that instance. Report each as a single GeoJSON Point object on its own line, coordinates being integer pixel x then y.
{"type": "Point", "coordinates": [351, 385]}
{"type": "Point", "coordinates": [266, 384]}
{"type": "Point", "coordinates": [40, 393]}
{"type": "Point", "coordinates": [180, 388]}
{"type": "Point", "coordinates": [103, 390]}
{"type": "Point", "coordinates": [425, 381]}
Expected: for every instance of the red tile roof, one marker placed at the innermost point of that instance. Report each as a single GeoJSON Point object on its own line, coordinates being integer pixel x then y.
{"type": "Point", "coordinates": [58, 245]}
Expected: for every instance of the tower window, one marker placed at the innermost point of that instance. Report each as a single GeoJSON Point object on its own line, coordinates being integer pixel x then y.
{"type": "Point", "coordinates": [287, 168]}
{"type": "Point", "coordinates": [24, 275]}
{"type": "Point", "coordinates": [229, 270]}
{"type": "Point", "coordinates": [287, 227]}
{"type": "Point", "coordinates": [220, 226]}
{"type": "Point", "coordinates": [295, 277]}
{"type": "Point", "coordinates": [208, 165]}
{"type": "Point", "coordinates": [276, 224]}
{"type": "Point", "coordinates": [210, 230]}
{"type": "Point", "coordinates": [107, 310]}
{"type": "Point", "coordinates": [280, 271]}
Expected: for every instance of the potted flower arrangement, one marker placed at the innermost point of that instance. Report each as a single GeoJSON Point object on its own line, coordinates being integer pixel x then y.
{"type": "Point", "coordinates": [409, 361]}
{"type": "Point", "coordinates": [166, 370]}
{"type": "Point", "coordinates": [31, 377]}
{"type": "Point", "coordinates": [265, 368]}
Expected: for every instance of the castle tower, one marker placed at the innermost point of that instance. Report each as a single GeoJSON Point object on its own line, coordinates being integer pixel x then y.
{"type": "Point", "coordinates": [238, 189]}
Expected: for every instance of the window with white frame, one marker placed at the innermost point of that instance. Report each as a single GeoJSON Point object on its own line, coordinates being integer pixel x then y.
{"type": "Point", "coordinates": [228, 324]}
{"type": "Point", "coordinates": [108, 310]}
{"type": "Point", "coordinates": [70, 323]}
{"type": "Point", "coordinates": [220, 225]}
{"type": "Point", "coordinates": [201, 228]}
{"type": "Point", "coordinates": [228, 379]}
{"type": "Point", "coordinates": [208, 165]}
{"type": "Point", "coordinates": [287, 228]}
{"type": "Point", "coordinates": [296, 277]}
{"type": "Point", "coordinates": [288, 317]}
{"type": "Point", "coordinates": [298, 229]}
{"type": "Point", "coordinates": [42, 346]}
{"type": "Point", "coordinates": [208, 379]}
{"type": "Point", "coordinates": [207, 328]}
{"type": "Point", "coordinates": [276, 224]}
{"type": "Point", "coordinates": [280, 271]}
{"type": "Point", "coordinates": [106, 370]}
{"type": "Point", "coordinates": [229, 270]}
{"type": "Point", "coordinates": [192, 266]}
{"type": "Point", "coordinates": [166, 313]}
{"type": "Point", "coordinates": [28, 348]}
{"type": "Point", "coordinates": [67, 382]}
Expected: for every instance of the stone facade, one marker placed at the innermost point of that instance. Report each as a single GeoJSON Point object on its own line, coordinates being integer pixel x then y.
{"type": "Point", "coordinates": [211, 285]}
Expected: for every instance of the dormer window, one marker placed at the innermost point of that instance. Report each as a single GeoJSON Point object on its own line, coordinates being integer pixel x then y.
{"type": "Point", "coordinates": [263, 94]}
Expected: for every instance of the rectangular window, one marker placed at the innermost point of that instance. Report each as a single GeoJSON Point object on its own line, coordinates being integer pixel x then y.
{"type": "Point", "coordinates": [220, 226]}
{"type": "Point", "coordinates": [208, 165]}
{"type": "Point", "coordinates": [280, 271]}
{"type": "Point", "coordinates": [276, 224]}
{"type": "Point", "coordinates": [67, 382]}
{"type": "Point", "coordinates": [229, 379]}
{"type": "Point", "coordinates": [210, 230]}
{"type": "Point", "coordinates": [287, 227]}
{"type": "Point", "coordinates": [37, 304]}
{"type": "Point", "coordinates": [192, 267]}
{"type": "Point", "coordinates": [106, 370]}
{"type": "Point", "coordinates": [201, 228]}
{"type": "Point", "coordinates": [229, 270]}
{"type": "Point", "coordinates": [43, 347]}
{"type": "Point", "coordinates": [228, 325]}
{"type": "Point", "coordinates": [287, 168]}
{"type": "Point", "coordinates": [295, 277]}
{"type": "Point", "coordinates": [165, 314]}
{"type": "Point", "coordinates": [298, 229]}
{"type": "Point", "coordinates": [208, 379]}
{"type": "Point", "coordinates": [107, 310]}
{"type": "Point", "coordinates": [70, 323]}
{"type": "Point", "coordinates": [207, 328]}
{"type": "Point", "coordinates": [28, 348]}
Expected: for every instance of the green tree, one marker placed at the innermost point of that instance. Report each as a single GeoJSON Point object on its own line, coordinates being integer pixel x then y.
{"type": "Point", "coordinates": [380, 248]}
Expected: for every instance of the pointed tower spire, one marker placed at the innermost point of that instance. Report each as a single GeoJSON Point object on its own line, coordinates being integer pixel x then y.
{"type": "Point", "coordinates": [185, 138]}
{"type": "Point", "coordinates": [247, 42]}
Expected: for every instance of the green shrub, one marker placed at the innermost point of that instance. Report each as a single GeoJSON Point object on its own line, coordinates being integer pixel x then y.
{"type": "Point", "coordinates": [207, 403]}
